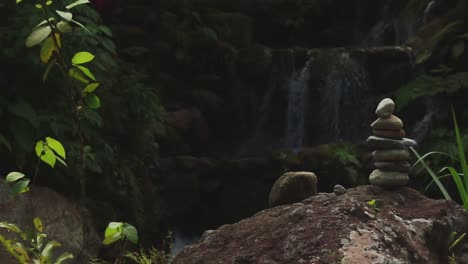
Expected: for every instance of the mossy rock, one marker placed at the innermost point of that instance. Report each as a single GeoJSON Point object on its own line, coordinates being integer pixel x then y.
{"type": "Point", "coordinates": [293, 187]}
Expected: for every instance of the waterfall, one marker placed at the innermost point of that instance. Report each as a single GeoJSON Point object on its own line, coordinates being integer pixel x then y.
{"type": "Point", "coordinates": [295, 123]}
{"type": "Point", "coordinates": [264, 134]}
{"type": "Point", "coordinates": [344, 101]}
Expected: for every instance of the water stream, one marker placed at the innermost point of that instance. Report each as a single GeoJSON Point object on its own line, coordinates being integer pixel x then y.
{"type": "Point", "coordinates": [297, 87]}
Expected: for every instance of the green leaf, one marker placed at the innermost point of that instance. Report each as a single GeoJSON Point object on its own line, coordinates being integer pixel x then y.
{"type": "Point", "coordinates": [39, 148]}
{"type": "Point", "coordinates": [371, 202]}
{"type": "Point", "coordinates": [48, 48]}
{"type": "Point", "coordinates": [63, 257]}
{"type": "Point", "coordinates": [210, 33]}
{"type": "Point", "coordinates": [16, 250]}
{"type": "Point", "coordinates": [461, 156]}
{"type": "Point", "coordinates": [65, 15]}
{"type": "Point", "coordinates": [10, 226]}
{"type": "Point", "coordinates": [81, 25]}
{"type": "Point", "coordinates": [38, 6]}
{"type": "Point", "coordinates": [422, 56]}
{"type": "Point", "coordinates": [454, 243]}
{"type": "Point", "coordinates": [90, 88]}
{"type": "Point", "coordinates": [37, 36]}
{"type": "Point", "coordinates": [14, 176]}
{"type": "Point", "coordinates": [38, 224]}
{"type": "Point", "coordinates": [48, 3]}
{"type": "Point", "coordinates": [87, 72]}
{"type": "Point", "coordinates": [130, 233]}
{"type": "Point", "coordinates": [108, 45]}
{"type": "Point", "coordinates": [106, 30]}
{"type": "Point", "coordinates": [45, 153]}
{"type": "Point", "coordinates": [46, 253]}
{"type": "Point", "coordinates": [56, 146]}
{"type": "Point", "coordinates": [79, 2]}
{"type": "Point", "coordinates": [82, 57]}
{"type": "Point", "coordinates": [115, 225]}
{"type": "Point", "coordinates": [23, 109]}
{"type": "Point", "coordinates": [458, 48]}
{"type": "Point", "coordinates": [61, 161]}
{"type": "Point", "coordinates": [20, 187]}
{"type": "Point", "coordinates": [5, 142]}
{"type": "Point", "coordinates": [460, 187]}
{"type": "Point", "coordinates": [76, 74]}
{"type": "Point", "coordinates": [431, 172]}
{"type": "Point", "coordinates": [113, 233]}
{"type": "Point", "coordinates": [49, 156]}
{"type": "Point", "coordinates": [93, 101]}
{"type": "Point", "coordinates": [44, 22]}
{"type": "Point", "coordinates": [112, 238]}
{"type": "Point", "coordinates": [50, 65]}
{"type": "Point", "coordinates": [21, 251]}
{"type": "Point", "coordinates": [64, 27]}
{"type": "Point", "coordinates": [40, 239]}
{"type": "Point", "coordinates": [18, 1]}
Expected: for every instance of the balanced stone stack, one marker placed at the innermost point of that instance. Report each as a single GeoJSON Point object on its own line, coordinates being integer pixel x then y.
{"type": "Point", "coordinates": [391, 148]}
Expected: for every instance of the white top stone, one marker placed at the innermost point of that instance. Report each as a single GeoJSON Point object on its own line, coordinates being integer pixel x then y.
{"type": "Point", "coordinates": [385, 108]}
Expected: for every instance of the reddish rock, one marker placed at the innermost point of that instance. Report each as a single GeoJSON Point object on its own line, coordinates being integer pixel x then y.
{"type": "Point", "coordinates": [393, 134]}
{"type": "Point", "coordinates": [390, 155]}
{"type": "Point", "coordinates": [388, 123]}
{"type": "Point", "coordinates": [402, 226]}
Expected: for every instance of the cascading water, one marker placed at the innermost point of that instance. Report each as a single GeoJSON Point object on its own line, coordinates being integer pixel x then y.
{"type": "Point", "coordinates": [297, 93]}
{"type": "Point", "coordinates": [264, 134]}
{"type": "Point", "coordinates": [311, 107]}
{"type": "Point", "coordinates": [344, 97]}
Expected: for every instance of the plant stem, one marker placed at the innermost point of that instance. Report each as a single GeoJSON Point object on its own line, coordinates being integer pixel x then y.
{"type": "Point", "coordinates": [76, 117]}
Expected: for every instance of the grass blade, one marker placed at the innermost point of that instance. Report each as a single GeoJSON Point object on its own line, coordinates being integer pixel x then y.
{"type": "Point", "coordinates": [459, 183]}
{"type": "Point", "coordinates": [433, 175]}
{"type": "Point", "coordinates": [429, 154]}
{"type": "Point", "coordinates": [461, 150]}
{"type": "Point", "coordinates": [440, 178]}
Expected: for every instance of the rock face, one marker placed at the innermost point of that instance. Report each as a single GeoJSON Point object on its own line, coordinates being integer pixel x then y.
{"type": "Point", "coordinates": [62, 221]}
{"type": "Point", "coordinates": [293, 187]}
{"type": "Point", "coordinates": [401, 227]}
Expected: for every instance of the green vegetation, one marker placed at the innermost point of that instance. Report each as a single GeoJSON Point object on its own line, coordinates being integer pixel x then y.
{"type": "Point", "coordinates": [36, 251]}
{"type": "Point", "coordinates": [72, 117]}
{"type": "Point", "coordinates": [460, 179]}
{"type": "Point", "coordinates": [152, 256]}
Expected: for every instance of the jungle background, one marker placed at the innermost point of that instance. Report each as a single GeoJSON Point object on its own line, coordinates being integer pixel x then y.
{"type": "Point", "coordinates": [206, 103]}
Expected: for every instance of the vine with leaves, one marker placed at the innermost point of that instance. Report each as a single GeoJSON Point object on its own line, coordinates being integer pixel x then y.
{"type": "Point", "coordinates": [50, 35]}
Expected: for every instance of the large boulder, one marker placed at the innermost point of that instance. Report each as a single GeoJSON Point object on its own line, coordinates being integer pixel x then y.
{"type": "Point", "coordinates": [293, 187]}
{"type": "Point", "coordinates": [365, 225]}
{"type": "Point", "coordinates": [62, 221]}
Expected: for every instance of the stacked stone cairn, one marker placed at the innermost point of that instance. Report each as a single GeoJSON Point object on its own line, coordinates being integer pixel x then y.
{"type": "Point", "coordinates": [391, 148]}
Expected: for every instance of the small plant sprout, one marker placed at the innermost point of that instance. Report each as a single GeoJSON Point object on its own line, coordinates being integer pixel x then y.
{"type": "Point", "coordinates": [116, 231]}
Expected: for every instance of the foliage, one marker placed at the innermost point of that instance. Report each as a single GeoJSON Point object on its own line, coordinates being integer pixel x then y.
{"type": "Point", "coordinates": [348, 157]}
{"type": "Point", "coordinates": [116, 231]}
{"type": "Point", "coordinates": [430, 85]}
{"type": "Point", "coordinates": [50, 150]}
{"type": "Point", "coordinates": [20, 183]}
{"type": "Point", "coordinates": [32, 109]}
{"type": "Point", "coordinates": [454, 242]}
{"type": "Point", "coordinates": [374, 203]}
{"type": "Point", "coordinates": [461, 181]}
{"type": "Point", "coordinates": [152, 256]}
{"type": "Point", "coordinates": [82, 102]}
{"type": "Point", "coordinates": [37, 251]}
